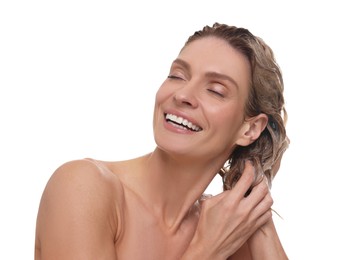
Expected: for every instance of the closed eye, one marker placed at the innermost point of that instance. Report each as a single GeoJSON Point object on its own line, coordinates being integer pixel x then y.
{"type": "Point", "coordinates": [215, 92]}
{"type": "Point", "coordinates": [173, 77]}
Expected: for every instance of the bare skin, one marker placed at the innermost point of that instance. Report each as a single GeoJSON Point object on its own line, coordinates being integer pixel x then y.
{"type": "Point", "coordinates": [120, 224]}
{"type": "Point", "coordinates": [113, 223]}
{"type": "Point", "coordinates": [148, 207]}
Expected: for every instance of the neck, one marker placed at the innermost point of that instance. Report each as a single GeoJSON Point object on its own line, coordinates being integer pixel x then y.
{"type": "Point", "coordinates": [173, 184]}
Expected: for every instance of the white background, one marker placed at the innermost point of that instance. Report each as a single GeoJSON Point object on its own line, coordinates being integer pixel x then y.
{"type": "Point", "coordinates": [78, 79]}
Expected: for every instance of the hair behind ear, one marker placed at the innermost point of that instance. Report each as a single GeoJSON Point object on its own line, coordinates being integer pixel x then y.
{"type": "Point", "coordinates": [263, 153]}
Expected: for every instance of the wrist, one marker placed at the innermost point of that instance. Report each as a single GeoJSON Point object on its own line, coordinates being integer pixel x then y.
{"type": "Point", "coordinates": [193, 252]}
{"type": "Point", "coordinates": [196, 250]}
{"type": "Point", "coordinates": [265, 243]}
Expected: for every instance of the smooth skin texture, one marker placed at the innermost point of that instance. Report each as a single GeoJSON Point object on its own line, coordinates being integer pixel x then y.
{"type": "Point", "coordinates": [151, 207]}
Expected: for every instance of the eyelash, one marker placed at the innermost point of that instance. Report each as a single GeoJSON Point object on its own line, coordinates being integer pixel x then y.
{"type": "Point", "coordinates": [173, 77]}
{"type": "Point", "coordinates": [215, 92]}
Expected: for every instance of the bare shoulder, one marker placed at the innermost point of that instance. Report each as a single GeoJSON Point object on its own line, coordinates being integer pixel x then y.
{"type": "Point", "coordinates": [86, 180]}
{"type": "Point", "coordinates": [79, 213]}
{"type": "Point", "coordinates": [88, 171]}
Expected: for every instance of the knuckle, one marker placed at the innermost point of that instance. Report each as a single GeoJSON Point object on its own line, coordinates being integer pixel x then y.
{"type": "Point", "coordinates": [205, 204]}
{"type": "Point", "coordinates": [270, 201]}
{"type": "Point", "coordinates": [269, 214]}
{"type": "Point", "coordinates": [264, 188]}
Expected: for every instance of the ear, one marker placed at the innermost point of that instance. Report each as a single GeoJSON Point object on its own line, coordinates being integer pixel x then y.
{"type": "Point", "coordinates": [252, 129]}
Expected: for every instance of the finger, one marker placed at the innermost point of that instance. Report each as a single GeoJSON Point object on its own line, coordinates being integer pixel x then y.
{"type": "Point", "coordinates": [259, 192]}
{"type": "Point", "coordinates": [263, 219]}
{"type": "Point", "coordinates": [245, 181]}
{"type": "Point", "coordinates": [208, 199]}
{"type": "Point", "coordinates": [263, 206]}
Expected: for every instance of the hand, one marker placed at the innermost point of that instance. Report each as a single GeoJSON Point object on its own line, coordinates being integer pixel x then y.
{"type": "Point", "coordinates": [227, 220]}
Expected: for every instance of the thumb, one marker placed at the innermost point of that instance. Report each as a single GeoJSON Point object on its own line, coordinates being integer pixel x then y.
{"type": "Point", "coordinates": [213, 198]}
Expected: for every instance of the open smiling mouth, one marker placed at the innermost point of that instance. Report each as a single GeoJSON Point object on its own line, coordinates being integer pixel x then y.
{"type": "Point", "coordinates": [181, 123]}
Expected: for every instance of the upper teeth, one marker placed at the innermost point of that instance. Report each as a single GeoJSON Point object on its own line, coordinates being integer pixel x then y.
{"type": "Point", "coordinates": [181, 121]}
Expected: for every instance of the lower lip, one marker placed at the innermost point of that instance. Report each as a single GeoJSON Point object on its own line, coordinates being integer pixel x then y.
{"type": "Point", "coordinates": [176, 128]}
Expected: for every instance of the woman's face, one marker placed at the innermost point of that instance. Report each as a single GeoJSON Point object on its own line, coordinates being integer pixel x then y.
{"type": "Point", "coordinates": [199, 109]}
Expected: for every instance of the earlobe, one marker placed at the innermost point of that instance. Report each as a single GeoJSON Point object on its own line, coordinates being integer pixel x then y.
{"type": "Point", "coordinates": [252, 129]}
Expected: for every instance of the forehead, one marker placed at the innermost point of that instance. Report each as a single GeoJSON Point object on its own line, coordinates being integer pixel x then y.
{"type": "Point", "coordinates": [212, 54]}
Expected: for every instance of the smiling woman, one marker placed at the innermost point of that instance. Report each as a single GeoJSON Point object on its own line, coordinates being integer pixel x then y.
{"type": "Point", "coordinates": [221, 104]}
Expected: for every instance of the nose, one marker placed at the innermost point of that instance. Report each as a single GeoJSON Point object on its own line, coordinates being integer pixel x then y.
{"type": "Point", "coordinates": [186, 96]}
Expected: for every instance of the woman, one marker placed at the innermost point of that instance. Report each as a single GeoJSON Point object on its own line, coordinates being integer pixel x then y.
{"type": "Point", "coordinates": [220, 110]}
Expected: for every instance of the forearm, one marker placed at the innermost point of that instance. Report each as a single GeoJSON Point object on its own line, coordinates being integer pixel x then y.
{"type": "Point", "coordinates": [265, 244]}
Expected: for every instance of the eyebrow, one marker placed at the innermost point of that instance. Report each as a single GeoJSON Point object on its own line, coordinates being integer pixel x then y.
{"type": "Point", "coordinates": [222, 77]}
{"type": "Point", "coordinates": [183, 64]}
{"type": "Point", "coordinates": [211, 74]}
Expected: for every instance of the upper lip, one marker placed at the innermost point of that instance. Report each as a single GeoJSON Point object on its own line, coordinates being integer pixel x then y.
{"type": "Point", "coordinates": [184, 116]}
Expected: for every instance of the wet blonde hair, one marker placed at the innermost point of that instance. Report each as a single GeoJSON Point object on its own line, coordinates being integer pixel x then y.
{"type": "Point", "coordinates": [265, 96]}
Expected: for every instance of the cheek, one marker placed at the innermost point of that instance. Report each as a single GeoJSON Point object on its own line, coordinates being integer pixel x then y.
{"type": "Point", "coordinates": [228, 115]}
{"type": "Point", "coordinates": [228, 121]}
{"type": "Point", "coordinates": [161, 94]}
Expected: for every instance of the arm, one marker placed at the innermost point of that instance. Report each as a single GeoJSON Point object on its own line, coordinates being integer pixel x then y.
{"type": "Point", "coordinates": [265, 244]}
{"type": "Point", "coordinates": [75, 218]}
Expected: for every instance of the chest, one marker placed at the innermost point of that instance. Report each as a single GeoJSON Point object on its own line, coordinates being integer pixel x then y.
{"type": "Point", "coordinates": [144, 237]}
